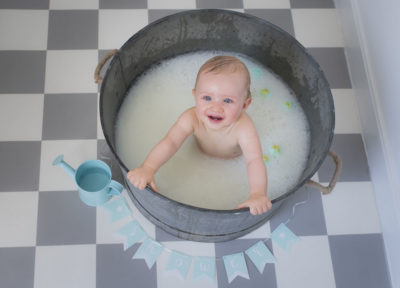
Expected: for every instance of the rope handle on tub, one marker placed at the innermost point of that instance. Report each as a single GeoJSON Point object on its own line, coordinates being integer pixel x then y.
{"type": "Point", "coordinates": [328, 189]}
{"type": "Point", "coordinates": [97, 77]}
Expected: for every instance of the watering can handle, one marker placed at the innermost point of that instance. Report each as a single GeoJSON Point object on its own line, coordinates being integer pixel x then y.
{"type": "Point", "coordinates": [97, 77]}
{"type": "Point", "coordinates": [328, 189]}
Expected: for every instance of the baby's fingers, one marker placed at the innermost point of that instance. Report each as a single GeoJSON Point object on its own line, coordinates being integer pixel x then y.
{"type": "Point", "coordinates": [153, 185]}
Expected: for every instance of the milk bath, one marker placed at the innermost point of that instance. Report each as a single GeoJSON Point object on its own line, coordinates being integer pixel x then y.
{"type": "Point", "coordinates": [160, 95]}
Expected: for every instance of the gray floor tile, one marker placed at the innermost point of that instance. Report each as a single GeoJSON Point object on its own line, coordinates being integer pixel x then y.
{"type": "Point", "coordinates": [69, 29]}
{"type": "Point", "coordinates": [19, 166]}
{"type": "Point", "coordinates": [279, 17]}
{"type": "Point", "coordinates": [17, 267]}
{"type": "Point", "coordinates": [63, 219]}
{"type": "Point", "coordinates": [22, 71]}
{"type": "Point", "coordinates": [312, 4]}
{"type": "Point", "coordinates": [23, 4]}
{"type": "Point", "coordinates": [333, 63]}
{"type": "Point", "coordinates": [104, 154]}
{"type": "Point", "coordinates": [267, 279]}
{"type": "Point", "coordinates": [359, 261]}
{"type": "Point", "coordinates": [70, 116]}
{"type": "Point", "coordinates": [116, 268]}
{"type": "Point", "coordinates": [354, 160]}
{"type": "Point", "coordinates": [215, 4]}
{"type": "Point", "coordinates": [123, 4]}
{"type": "Point", "coordinates": [155, 14]}
{"type": "Point", "coordinates": [307, 219]}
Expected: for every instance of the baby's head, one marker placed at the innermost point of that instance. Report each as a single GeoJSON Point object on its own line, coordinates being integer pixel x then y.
{"type": "Point", "coordinates": [225, 64]}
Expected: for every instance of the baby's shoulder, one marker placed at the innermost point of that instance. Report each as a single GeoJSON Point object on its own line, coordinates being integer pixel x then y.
{"type": "Point", "coordinates": [188, 118]}
{"type": "Point", "coordinates": [245, 125]}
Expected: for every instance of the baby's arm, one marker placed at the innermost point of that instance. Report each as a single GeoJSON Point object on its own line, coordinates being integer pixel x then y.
{"type": "Point", "coordinates": [249, 142]}
{"type": "Point", "coordinates": [162, 152]}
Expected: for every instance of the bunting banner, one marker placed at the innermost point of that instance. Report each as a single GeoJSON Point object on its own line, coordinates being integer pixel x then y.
{"type": "Point", "coordinates": [284, 237]}
{"type": "Point", "coordinates": [260, 255]}
{"type": "Point", "coordinates": [204, 268]}
{"type": "Point", "coordinates": [149, 251]}
{"type": "Point", "coordinates": [178, 263]}
{"type": "Point", "coordinates": [118, 208]}
{"type": "Point", "coordinates": [132, 233]}
{"type": "Point", "coordinates": [235, 265]}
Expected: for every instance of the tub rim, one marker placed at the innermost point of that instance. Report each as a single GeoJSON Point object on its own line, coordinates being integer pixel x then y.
{"type": "Point", "coordinates": [247, 16]}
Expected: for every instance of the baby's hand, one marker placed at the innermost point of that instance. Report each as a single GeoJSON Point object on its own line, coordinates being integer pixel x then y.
{"type": "Point", "coordinates": [140, 177]}
{"type": "Point", "coordinates": [258, 204]}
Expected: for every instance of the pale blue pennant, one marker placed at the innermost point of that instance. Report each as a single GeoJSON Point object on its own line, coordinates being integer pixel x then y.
{"type": "Point", "coordinates": [260, 255]}
{"type": "Point", "coordinates": [235, 265]}
{"type": "Point", "coordinates": [118, 208]}
{"type": "Point", "coordinates": [204, 268]}
{"type": "Point", "coordinates": [132, 233]}
{"type": "Point", "coordinates": [178, 263]}
{"type": "Point", "coordinates": [149, 251]}
{"type": "Point", "coordinates": [284, 237]}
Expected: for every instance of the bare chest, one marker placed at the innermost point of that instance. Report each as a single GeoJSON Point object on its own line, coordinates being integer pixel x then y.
{"type": "Point", "coordinates": [222, 145]}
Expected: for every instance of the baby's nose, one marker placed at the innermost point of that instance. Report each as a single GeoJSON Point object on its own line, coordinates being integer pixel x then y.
{"type": "Point", "coordinates": [217, 107]}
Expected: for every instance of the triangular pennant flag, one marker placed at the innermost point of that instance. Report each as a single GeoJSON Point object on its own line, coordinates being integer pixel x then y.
{"type": "Point", "coordinates": [118, 208]}
{"type": "Point", "coordinates": [260, 255]}
{"type": "Point", "coordinates": [204, 267]}
{"type": "Point", "coordinates": [178, 263]}
{"type": "Point", "coordinates": [132, 233]}
{"type": "Point", "coordinates": [284, 237]}
{"type": "Point", "coordinates": [235, 265]}
{"type": "Point", "coordinates": [149, 251]}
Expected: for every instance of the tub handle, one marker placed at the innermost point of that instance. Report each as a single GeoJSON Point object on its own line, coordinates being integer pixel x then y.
{"type": "Point", "coordinates": [97, 77]}
{"type": "Point", "coordinates": [328, 189]}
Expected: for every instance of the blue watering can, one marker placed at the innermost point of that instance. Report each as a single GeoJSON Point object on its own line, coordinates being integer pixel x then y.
{"type": "Point", "coordinates": [93, 178]}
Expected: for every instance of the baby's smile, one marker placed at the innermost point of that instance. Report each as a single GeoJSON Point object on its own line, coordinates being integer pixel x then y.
{"type": "Point", "coordinates": [215, 118]}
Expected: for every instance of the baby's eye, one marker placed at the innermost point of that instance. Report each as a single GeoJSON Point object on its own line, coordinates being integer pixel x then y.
{"type": "Point", "coordinates": [227, 100]}
{"type": "Point", "coordinates": [207, 98]}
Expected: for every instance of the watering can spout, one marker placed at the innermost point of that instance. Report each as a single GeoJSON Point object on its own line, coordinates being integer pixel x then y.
{"type": "Point", "coordinates": [68, 169]}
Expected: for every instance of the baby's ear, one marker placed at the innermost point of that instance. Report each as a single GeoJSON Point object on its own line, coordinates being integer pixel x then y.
{"type": "Point", "coordinates": [246, 103]}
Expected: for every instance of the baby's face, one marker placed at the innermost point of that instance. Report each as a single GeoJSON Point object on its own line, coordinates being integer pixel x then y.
{"type": "Point", "coordinates": [220, 98]}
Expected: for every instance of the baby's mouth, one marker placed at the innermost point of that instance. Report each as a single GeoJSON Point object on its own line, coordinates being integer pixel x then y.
{"type": "Point", "coordinates": [215, 118]}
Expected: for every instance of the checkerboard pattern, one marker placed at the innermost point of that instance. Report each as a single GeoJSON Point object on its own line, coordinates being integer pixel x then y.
{"type": "Point", "coordinates": [48, 106]}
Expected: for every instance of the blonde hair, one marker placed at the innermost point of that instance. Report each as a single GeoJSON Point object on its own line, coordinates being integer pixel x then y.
{"type": "Point", "coordinates": [219, 64]}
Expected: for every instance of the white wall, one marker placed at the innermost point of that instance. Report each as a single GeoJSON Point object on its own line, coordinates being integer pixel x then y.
{"type": "Point", "coordinates": [371, 31]}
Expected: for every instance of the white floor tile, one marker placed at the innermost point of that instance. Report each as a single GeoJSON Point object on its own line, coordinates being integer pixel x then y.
{"type": "Point", "coordinates": [307, 264]}
{"type": "Point", "coordinates": [23, 29]}
{"type": "Point", "coordinates": [317, 27]}
{"type": "Point", "coordinates": [266, 4]}
{"type": "Point", "coordinates": [351, 209]}
{"type": "Point", "coordinates": [75, 153]}
{"type": "Point", "coordinates": [65, 266]}
{"type": "Point", "coordinates": [171, 4]}
{"type": "Point", "coordinates": [21, 117]}
{"type": "Point", "coordinates": [18, 218]}
{"type": "Point", "coordinates": [166, 280]}
{"type": "Point", "coordinates": [346, 113]}
{"type": "Point", "coordinates": [73, 4]}
{"type": "Point", "coordinates": [71, 71]}
{"type": "Point", "coordinates": [117, 26]}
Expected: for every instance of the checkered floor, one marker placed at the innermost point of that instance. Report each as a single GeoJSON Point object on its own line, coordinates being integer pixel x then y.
{"type": "Point", "coordinates": [48, 106]}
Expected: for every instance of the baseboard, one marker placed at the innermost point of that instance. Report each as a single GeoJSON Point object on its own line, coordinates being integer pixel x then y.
{"type": "Point", "coordinates": [383, 175]}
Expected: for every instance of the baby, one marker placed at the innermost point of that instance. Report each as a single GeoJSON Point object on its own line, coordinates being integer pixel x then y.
{"type": "Point", "coordinates": [221, 128]}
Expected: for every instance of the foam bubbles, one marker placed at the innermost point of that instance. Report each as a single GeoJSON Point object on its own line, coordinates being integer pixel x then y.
{"type": "Point", "coordinates": [155, 102]}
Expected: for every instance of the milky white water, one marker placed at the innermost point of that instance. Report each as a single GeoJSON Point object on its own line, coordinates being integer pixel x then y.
{"type": "Point", "coordinates": [157, 99]}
